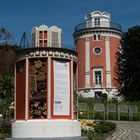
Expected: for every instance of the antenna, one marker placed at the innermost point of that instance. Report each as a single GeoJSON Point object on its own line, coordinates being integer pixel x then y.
{"type": "Point", "coordinates": [24, 41]}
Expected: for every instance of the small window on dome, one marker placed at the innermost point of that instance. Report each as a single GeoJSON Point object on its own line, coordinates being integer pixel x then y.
{"type": "Point", "coordinates": [94, 37]}
{"type": "Point", "coordinates": [97, 37]}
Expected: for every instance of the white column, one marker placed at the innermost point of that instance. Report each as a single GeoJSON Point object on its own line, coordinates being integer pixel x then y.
{"type": "Point", "coordinates": [27, 89]}
{"type": "Point", "coordinates": [108, 65]}
{"type": "Point", "coordinates": [37, 39]}
{"type": "Point", "coordinates": [71, 63]}
{"type": "Point", "coordinates": [87, 62]}
{"type": "Point", "coordinates": [43, 37]}
{"type": "Point", "coordinates": [49, 89]}
{"type": "Point", "coordinates": [49, 38]}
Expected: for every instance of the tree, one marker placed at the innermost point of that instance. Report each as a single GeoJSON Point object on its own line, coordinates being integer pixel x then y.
{"type": "Point", "coordinates": [6, 94]}
{"type": "Point", "coordinates": [8, 56]}
{"type": "Point", "coordinates": [7, 61]}
{"type": "Point", "coordinates": [6, 37]}
{"type": "Point", "coordinates": [128, 65]}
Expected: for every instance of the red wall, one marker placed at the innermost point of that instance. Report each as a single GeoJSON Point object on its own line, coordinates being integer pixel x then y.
{"type": "Point", "coordinates": [20, 90]}
{"type": "Point", "coordinates": [114, 44]}
{"type": "Point", "coordinates": [80, 48]}
{"type": "Point", "coordinates": [96, 61]}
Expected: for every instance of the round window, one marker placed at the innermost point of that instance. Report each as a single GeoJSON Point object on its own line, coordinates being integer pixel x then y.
{"type": "Point", "coordinates": [97, 50]}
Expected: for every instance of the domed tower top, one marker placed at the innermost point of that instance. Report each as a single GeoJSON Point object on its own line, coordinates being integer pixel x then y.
{"type": "Point", "coordinates": [97, 21]}
{"type": "Point", "coordinates": [98, 18]}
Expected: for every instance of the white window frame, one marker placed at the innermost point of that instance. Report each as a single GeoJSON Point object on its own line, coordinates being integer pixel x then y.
{"type": "Point", "coordinates": [94, 81]}
{"type": "Point", "coordinates": [95, 52]}
{"type": "Point", "coordinates": [97, 21]}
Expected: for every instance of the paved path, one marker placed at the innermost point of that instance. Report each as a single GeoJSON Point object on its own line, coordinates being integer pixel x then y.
{"type": "Point", "coordinates": [126, 131]}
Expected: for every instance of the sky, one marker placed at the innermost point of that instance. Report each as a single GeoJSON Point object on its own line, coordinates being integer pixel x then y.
{"type": "Point", "coordinates": [20, 16]}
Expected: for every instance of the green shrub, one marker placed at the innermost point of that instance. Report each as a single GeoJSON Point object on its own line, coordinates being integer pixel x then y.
{"type": "Point", "coordinates": [99, 115]}
{"type": "Point", "coordinates": [5, 129]}
{"type": "Point", "coordinates": [104, 127]}
{"type": "Point", "coordinates": [94, 130]}
{"type": "Point", "coordinates": [93, 135]}
{"type": "Point", "coordinates": [112, 116]}
{"type": "Point", "coordinates": [82, 115]}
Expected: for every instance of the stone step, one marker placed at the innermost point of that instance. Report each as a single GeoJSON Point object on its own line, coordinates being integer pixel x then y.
{"type": "Point", "coordinates": [60, 138]}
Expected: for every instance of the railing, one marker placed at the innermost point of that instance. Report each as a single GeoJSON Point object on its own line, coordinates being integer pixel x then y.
{"type": "Point", "coordinates": [103, 24]}
{"type": "Point", "coordinates": [114, 111]}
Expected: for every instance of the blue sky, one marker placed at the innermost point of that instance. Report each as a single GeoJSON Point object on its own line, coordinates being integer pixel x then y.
{"type": "Point", "coordinates": [20, 16]}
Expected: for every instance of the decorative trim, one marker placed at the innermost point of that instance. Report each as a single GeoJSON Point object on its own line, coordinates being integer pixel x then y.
{"type": "Point", "coordinates": [87, 38]}
{"type": "Point", "coordinates": [50, 53]}
{"type": "Point", "coordinates": [37, 53]}
{"type": "Point", "coordinates": [89, 32]}
{"type": "Point", "coordinates": [108, 63]}
{"type": "Point", "coordinates": [44, 53]}
{"type": "Point", "coordinates": [96, 48]}
{"type": "Point", "coordinates": [87, 62]}
{"type": "Point", "coordinates": [47, 52]}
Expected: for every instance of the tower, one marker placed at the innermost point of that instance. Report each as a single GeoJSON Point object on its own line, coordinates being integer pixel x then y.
{"type": "Point", "coordinates": [44, 36]}
{"type": "Point", "coordinates": [97, 41]}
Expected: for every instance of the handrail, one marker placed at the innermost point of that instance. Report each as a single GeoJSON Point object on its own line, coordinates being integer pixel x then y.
{"type": "Point", "coordinates": [102, 24]}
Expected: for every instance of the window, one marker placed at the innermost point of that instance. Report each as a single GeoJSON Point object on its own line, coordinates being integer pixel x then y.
{"type": "Point", "coordinates": [45, 42]}
{"type": "Point", "coordinates": [94, 37]}
{"type": "Point", "coordinates": [54, 39]}
{"type": "Point", "coordinates": [97, 21]}
{"type": "Point", "coordinates": [97, 50]}
{"type": "Point", "coordinates": [97, 77]}
{"type": "Point", "coordinates": [97, 37]}
{"type": "Point", "coordinates": [45, 34]}
{"type": "Point", "coordinates": [40, 34]}
{"type": "Point", "coordinates": [40, 43]}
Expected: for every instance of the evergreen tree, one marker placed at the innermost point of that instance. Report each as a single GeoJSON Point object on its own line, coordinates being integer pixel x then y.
{"type": "Point", "coordinates": [128, 65]}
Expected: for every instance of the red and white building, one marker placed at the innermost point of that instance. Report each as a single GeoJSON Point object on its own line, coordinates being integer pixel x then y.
{"type": "Point", "coordinates": [45, 94]}
{"type": "Point", "coordinates": [97, 41]}
{"type": "Point", "coordinates": [44, 36]}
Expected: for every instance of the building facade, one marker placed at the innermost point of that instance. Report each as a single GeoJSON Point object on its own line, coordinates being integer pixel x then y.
{"type": "Point", "coordinates": [44, 36]}
{"type": "Point", "coordinates": [97, 41]}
